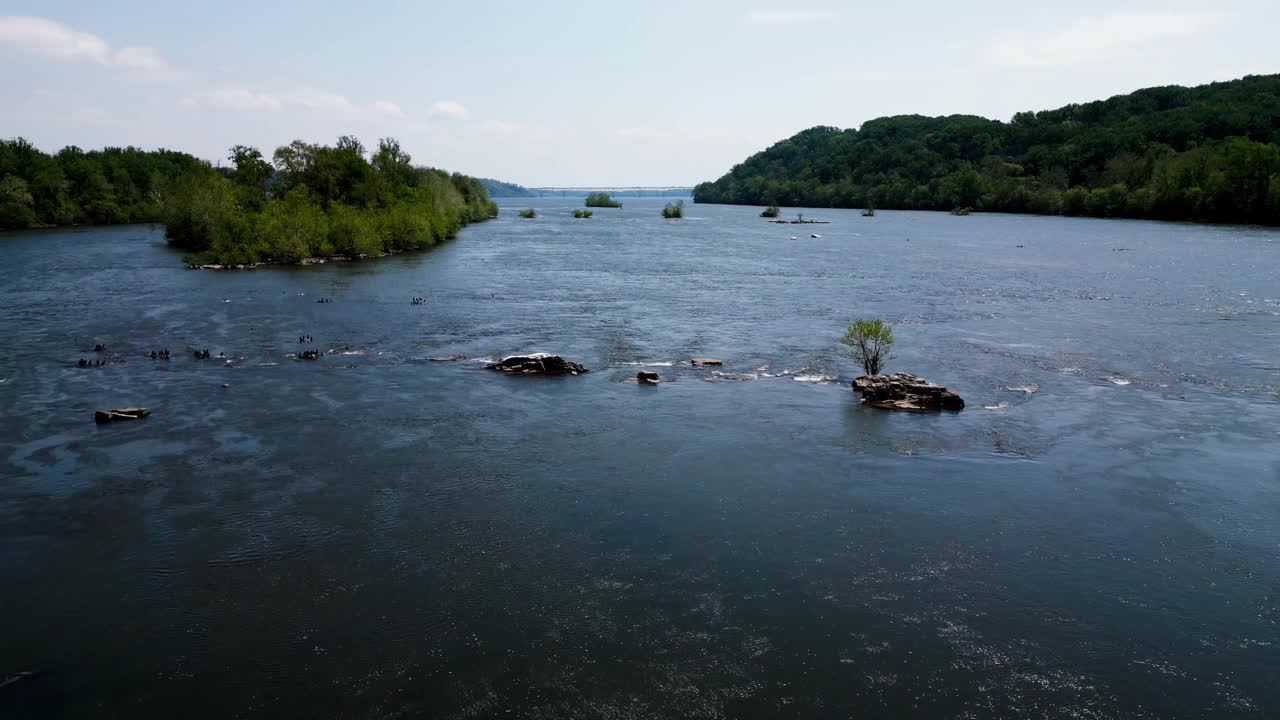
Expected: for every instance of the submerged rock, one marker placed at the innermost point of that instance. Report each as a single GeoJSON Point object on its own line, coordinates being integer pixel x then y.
{"type": "Point", "coordinates": [537, 364]}
{"type": "Point", "coordinates": [904, 391]}
{"type": "Point", "coordinates": [647, 377]}
{"type": "Point", "coordinates": [705, 361]}
{"type": "Point", "coordinates": [449, 358]}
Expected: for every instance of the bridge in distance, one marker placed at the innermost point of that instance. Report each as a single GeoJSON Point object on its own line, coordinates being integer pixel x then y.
{"type": "Point", "coordinates": [631, 191]}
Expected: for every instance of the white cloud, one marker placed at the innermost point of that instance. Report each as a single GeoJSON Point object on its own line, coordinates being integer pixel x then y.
{"type": "Point", "coordinates": [141, 58]}
{"type": "Point", "coordinates": [642, 133]}
{"type": "Point", "coordinates": [502, 127]}
{"type": "Point", "coordinates": [315, 100]}
{"type": "Point", "coordinates": [45, 38]}
{"type": "Point", "coordinates": [390, 109]}
{"type": "Point", "coordinates": [786, 17]}
{"type": "Point", "coordinates": [235, 99]}
{"type": "Point", "coordinates": [246, 99]}
{"type": "Point", "coordinates": [867, 76]}
{"type": "Point", "coordinates": [448, 109]}
{"type": "Point", "coordinates": [1097, 39]}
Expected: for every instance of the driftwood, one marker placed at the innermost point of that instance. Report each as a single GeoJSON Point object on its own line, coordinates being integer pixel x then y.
{"type": "Point", "coordinates": [11, 679]}
{"type": "Point", "coordinates": [106, 416]}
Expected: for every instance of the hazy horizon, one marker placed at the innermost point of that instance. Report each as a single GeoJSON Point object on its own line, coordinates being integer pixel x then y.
{"type": "Point", "coordinates": [669, 95]}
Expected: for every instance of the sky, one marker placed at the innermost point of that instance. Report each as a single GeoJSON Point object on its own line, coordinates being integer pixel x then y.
{"type": "Point", "coordinates": [579, 94]}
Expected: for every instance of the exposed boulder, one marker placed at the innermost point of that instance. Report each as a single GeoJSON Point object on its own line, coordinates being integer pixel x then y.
{"type": "Point", "coordinates": [904, 391]}
{"type": "Point", "coordinates": [537, 364]}
{"type": "Point", "coordinates": [647, 377]}
{"type": "Point", "coordinates": [705, 361]}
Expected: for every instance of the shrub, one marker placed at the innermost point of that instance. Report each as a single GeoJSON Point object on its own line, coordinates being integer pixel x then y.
{"type": "Point", "coordinates": [581, 213]}
{"type": "Point", "coordinates": [602, 199]}
{"type": "Point", "coordinates": [771, 212]}
{"type": "Point", "coordinates": [528, 213]}
{"type": "Point", "coordinates": [673, 211]}
{"type": "Point", "coordinates": [870, 340]}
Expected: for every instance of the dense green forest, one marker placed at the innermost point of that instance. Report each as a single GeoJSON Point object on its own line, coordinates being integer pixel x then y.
{"type": "Point", "coordinates": [1206, 153]}
{"type": "Point", "coordinates": [74, 187]}
{"type": "Point", "coordinates": [318, 201]}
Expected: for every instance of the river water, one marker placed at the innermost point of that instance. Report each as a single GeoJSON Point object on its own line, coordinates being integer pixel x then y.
{"type": "Point", "coordinates": [374, 535]}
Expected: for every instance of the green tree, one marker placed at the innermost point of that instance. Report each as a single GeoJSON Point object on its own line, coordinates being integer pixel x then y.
{"type": "Point", "coordinates": [294, 227]}
{"type": "Point", "coordinates": [17, 206]}
{"type": "Point", "coordinates": [870, 342]}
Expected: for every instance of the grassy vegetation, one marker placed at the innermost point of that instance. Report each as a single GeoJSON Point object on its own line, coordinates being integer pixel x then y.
{"type": "Point", "coordinates": [771, 212]}
{"type": "Point", "coordinates": [673, 211]}
{"type": "Point", "coordinates": [528, 213]}
{"type": "Point", "coordinates": [580, 214]}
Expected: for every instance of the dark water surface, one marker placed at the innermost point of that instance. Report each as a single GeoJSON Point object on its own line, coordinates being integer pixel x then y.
{"type": "Point", "coordinates": [375, 535]}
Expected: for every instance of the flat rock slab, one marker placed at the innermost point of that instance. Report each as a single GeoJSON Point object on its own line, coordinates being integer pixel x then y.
{"type": "Point", "coordinates": [698, 362]}
{"type": "Point", "coordinates": [449, 358]}
{"type": "Point", "coordinates": [904, 391]}
{"type": "Point", "coordinates": [537, 364]}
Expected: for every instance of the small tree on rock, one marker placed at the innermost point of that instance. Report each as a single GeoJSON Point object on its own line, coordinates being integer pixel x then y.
{"type": "Point", "coordinates": [871, 341]}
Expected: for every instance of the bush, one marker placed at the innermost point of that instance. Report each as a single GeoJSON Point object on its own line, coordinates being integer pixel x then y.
{"type": "Point", "coordinates": [602, 199]}
{"type": "Point", "coordinates": [771, 212]}
{"type": "Point", "coordinates": [528, 213]}
{"type": "Point", "coordinates": [580, 214]}
{"type": "Point", "coordinates": [673, 211]}
{"type": "Point", "coordinates": [870, 340]}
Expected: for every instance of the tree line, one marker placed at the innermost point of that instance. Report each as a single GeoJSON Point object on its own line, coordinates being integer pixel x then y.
{"type": "Point", "coordinates": [1209, 153]}
{"type": "Point", "coordinates": [75, 187]}
{"type": "Point", "coordinates": [308, 200]}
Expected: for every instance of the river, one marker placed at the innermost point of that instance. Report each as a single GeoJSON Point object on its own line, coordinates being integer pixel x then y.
{"type": "Point", "coordinates": [373, 534]}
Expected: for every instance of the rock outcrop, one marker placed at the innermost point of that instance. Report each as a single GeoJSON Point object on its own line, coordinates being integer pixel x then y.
{"type": "Point", "coordinates": [904, 391]}
{"type": "Point", "coordinates": [647, 377]}
{"type": "Point", "coordinates": [449, 358]}
{"type": "Point", "coordinates": [537, 364]}
{"type": "Point", "coordinates": [698, 362]}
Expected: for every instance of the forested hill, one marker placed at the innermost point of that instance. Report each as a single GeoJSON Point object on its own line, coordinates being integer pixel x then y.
{"type": "Point", "coordinates": [499, 189]}
{"type": "Point", "coordinates": [1205, 153]}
